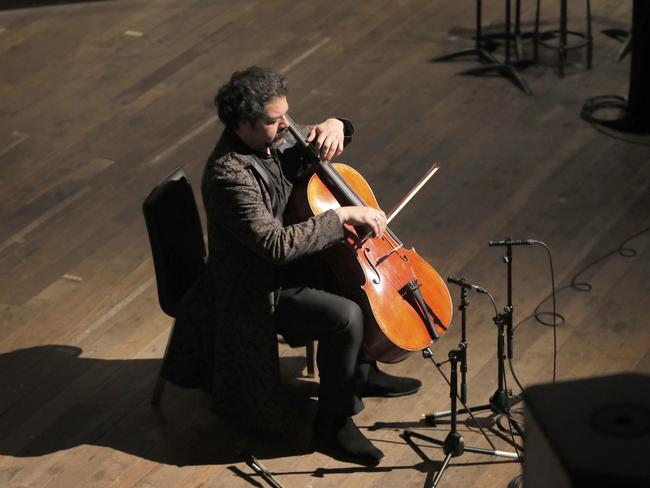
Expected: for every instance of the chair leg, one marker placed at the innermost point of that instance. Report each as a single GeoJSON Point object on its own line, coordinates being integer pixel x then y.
{"type": "Point", "coordinates": [159, 388]}
{"type": "Point", "coordinates": [309, 350]}
{"type": "Point", "coordinates": [158, 391]}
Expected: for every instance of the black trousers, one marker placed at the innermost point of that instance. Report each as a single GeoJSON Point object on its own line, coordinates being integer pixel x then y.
{"type": "Point", "coordinates": [303, 314]}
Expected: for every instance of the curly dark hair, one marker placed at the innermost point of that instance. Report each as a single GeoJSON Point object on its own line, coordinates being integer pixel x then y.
{"type": "Point", "coordinates": [245, 96]}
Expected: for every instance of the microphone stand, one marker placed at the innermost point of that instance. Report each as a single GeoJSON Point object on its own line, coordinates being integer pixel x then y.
{"type": "Point", "coordinates": [502, 400]}
{"type": "Point", "coordinates": [454, 444]}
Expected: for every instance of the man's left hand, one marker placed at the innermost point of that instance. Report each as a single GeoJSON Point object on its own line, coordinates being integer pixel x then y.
{"type": "Point", "coordinates": [328, 137]}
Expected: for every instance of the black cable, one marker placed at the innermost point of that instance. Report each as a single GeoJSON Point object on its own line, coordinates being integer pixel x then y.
{"type": "Point", "coordinates": [517, 481]}
{"type": "Point", "coordinates": [506, 414]}
{"type": "Point", "coordinates": [469, 411]}
{"type": "Point", "coordinates": [512, 371]}
{"type": "Point", "coordinates": [554, 313]}
{"type": "Point", "coordinates": [537, 314]}
{"type": "Point", "coordinates": [626, 252]}
{"type": "Point", "coordinates": [601, 102]}
{"type": "Point", "coordinates": [513, 413]}
{"type": "Point", "coordinates": [594, 104]}
{"type": "Point", "coordinates": [511, 420]}
{"type": "Point", "coordinates": [494, 304]}
{"type": "Point", "coordinates": [583, 286]}
{"type": "Point", "coordinates": [580, 286]}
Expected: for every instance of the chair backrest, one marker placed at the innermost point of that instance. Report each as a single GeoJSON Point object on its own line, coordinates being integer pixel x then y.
{"type": "Point", "coordinates": [176, 238]}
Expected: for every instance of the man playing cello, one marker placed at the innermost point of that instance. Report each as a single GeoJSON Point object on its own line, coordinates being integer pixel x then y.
{"type": "Point", "coordinates": [264, 279]}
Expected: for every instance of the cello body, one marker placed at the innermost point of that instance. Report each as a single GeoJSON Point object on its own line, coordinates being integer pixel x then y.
{"type": "Point", "coordinates": [376, 272]}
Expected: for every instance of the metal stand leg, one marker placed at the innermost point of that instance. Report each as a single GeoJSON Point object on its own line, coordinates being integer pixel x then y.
{"type": "Point", "coordinates": [454, 444]}
{"type": "Point", "coordinates": [501, 402]}
{"type": "Point", "coordinates": [519, 49]}
{"type": "Point", "coordinates": [623, 36]}
{"type": "Point", "coordinates": [627, 46]}
{"type": "Point", "coordinates": [478, 49]}
{"type": "Point", "coordinates": [590, 39]}
{"type": "Point", "coordinates": [562, 34]}
{"type": "Point", "coordinates": [518, 36]}
{"type": "Point", "coordinates": [562, 48]}
{"type": "Point", "coordinates": [506, 68]}
{"type": "Point", "coordinates": [536, 35]}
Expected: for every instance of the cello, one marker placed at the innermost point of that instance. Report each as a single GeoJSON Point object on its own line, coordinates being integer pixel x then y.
{"type": "Point", "coordinates": [406, 304]}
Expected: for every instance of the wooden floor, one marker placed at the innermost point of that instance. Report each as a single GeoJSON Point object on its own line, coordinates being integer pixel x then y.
{"type": "Point", "coordinates": [99, 100]}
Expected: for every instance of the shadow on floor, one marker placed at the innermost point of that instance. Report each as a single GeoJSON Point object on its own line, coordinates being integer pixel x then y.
{"type": "Point", "coordinates": [53, 399]}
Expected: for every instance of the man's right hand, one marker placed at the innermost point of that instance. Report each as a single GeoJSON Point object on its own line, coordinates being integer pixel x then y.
{"type": "Point", "coordinates": [368, 216]}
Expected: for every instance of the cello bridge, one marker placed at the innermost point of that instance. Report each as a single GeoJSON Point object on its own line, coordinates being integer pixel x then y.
{"type": "Point", "coordinates": [410, 288]}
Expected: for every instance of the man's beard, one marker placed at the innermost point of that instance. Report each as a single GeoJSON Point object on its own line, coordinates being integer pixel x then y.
{"type": "Point", "coordinates": [279, 135]}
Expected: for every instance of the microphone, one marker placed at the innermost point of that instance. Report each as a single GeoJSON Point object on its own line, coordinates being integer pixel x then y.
{"type": "Point", "coordinates": [464, 284]}
{"type": "Point", "coordinates": [513, 242]}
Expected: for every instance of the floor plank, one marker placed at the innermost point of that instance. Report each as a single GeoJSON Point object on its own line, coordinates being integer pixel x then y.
{"type": "Point", "coordinates": [93, 115]}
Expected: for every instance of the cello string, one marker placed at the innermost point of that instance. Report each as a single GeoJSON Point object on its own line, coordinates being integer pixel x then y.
{"type": "Point", "coordinates": [343, 186]}
{"type": "Point", "coordinates": [340, 183]}
{"type": "Point", "coordinates": [334, 175]}
{"type": "Point", "coordinates": [399, 288]}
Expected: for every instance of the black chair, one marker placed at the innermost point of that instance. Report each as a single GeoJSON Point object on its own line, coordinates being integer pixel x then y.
{"type": "Point", "coordinates": [177, 246]}
{"type": "Point", "coordinates": [178, 249]}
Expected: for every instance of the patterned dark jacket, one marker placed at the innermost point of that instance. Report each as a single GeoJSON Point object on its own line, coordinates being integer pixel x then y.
{"type": "Point", "coordinates": [237, 358]}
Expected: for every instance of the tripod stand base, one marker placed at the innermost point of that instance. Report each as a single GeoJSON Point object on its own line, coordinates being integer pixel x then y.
{"type": "Point", "coordinates": [496, 405]}
{"type": "Point", "coordinates": [453, 446]}
{"type": "Point", "coordinates": [500, 403]}
{"type": "Point", "coordinates": [408, 433]}
{"type": "Point", "coordinates": [517, 38]}
{"type": "Point", "coordinates": [430, 418]}
{"type": "Point", "coordinates": [481, 53]}
{"type": "Point", "coordinates": [505, 69]}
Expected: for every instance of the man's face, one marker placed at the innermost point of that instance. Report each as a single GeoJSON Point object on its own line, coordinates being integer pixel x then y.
{"type": "Point", "coordinates": [270, 127]}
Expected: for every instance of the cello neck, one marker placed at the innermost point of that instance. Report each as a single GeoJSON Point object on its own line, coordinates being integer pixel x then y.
{"type": "Point", "coordinates": [334, 181]}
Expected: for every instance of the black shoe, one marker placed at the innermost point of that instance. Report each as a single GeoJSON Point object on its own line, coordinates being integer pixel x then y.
{"type": "Point", "coordinates": [380, 384]}
{"type": "Point", "coordinates": [342, 439]}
